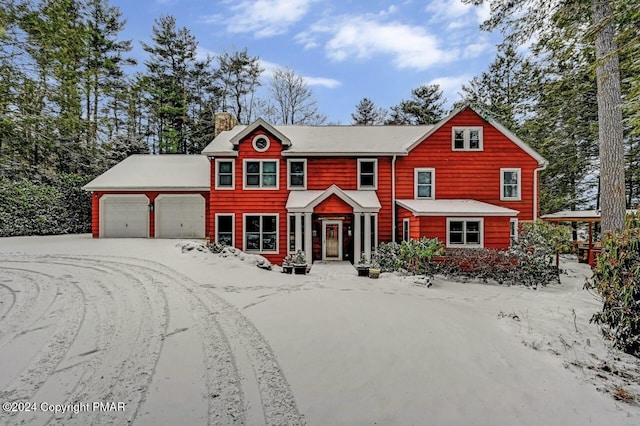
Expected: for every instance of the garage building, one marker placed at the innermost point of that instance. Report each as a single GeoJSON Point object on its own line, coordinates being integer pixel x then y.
{"type": "Point", "coordinates": [147, 196]}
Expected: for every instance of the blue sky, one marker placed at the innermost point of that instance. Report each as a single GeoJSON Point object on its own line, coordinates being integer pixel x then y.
{"type": "Point", "coordinates": [345, 49]}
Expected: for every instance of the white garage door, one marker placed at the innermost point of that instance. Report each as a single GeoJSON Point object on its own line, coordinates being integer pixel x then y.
{"type": "Point", "coordinates": [124, 216]}
{"type": "Point", "coordinates": [180, 216]}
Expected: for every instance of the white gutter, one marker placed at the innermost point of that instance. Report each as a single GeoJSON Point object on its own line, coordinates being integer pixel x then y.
{"type": "Point", "coordinates": [543, 166]}
{"type": "Point", "coordinates": [393, 199]}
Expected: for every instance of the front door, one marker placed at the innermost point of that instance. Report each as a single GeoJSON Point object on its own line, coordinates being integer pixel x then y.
{"type": "Point", "coordinates": [332, 240]}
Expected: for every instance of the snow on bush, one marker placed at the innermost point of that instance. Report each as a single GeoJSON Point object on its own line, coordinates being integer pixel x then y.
{"type": "Point", "coordinates": [225, 252]}
{"type": "Point", "coordinates": [616, 277]}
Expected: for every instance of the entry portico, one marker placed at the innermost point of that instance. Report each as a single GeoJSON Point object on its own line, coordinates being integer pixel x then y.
{"type": "Point", "coordinates": [342, 222]}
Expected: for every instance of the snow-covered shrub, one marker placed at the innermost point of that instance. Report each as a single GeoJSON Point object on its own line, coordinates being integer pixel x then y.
{"type": "Point", "coordinates": [616, 277]}
{"type": "Point", "coordinates": [480, 264]}
{"type": "Point", "coordinates": [417, 257]}
{"type": "Point", "coordinates": [388, 256]}
{"type": "Point", "coordinates": [215, 247]}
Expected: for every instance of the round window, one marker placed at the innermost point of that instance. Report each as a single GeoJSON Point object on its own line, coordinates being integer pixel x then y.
{"type": "Point", "coordinates": [260, 143]}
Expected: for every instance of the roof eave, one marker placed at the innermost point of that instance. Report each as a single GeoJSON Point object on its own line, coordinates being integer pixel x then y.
{"type": "Point", "coordinates": [147, 188]}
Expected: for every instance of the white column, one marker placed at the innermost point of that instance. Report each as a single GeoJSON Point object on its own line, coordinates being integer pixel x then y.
{"type": "Point", "coordinates": [367, 235]}
{"type": "Point", "coordinates": [356, 238]}
{"type": "Point", "coordinates": [308, 244]}
{"type": "Point", "coordinates": [298, 231]}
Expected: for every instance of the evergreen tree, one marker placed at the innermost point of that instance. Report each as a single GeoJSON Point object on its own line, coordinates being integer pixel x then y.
{"type": "Point", "coordinates": [426, 106]}
{"type": "Point", "coordinates": [171, 56]}
{"type": "Point", "coordinates": [367, 114]}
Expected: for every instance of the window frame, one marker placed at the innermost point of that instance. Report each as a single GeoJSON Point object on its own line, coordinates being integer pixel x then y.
{"type": "Point", "coordinates": [406, 229]}
{"type": "Point", "coordinates": [518, 172]}
{"type": "Point", "coordinates": [304, 178]}
{"type": "Point", "coordinates": [233, 227]}
{"type": "Point", "coordinates": [292, 231]}
{"type": "Point", "coordinates": [244, 232]}
{"type": "Point", "coordinates": [513, 230]}
{"type": "Point", "coordinates": [480, 220]}
{"type": "Point", "coordinates": [256, 138]}
{"type": "Point", "coordinates": [416, 172]}
{"type": "Point", "coordinates": [375, 173]}
{"type": "Point", "coordinates": [233, 174]}
{"type": "Point", "coordinates": [261, 186]}
{"type": "Point", "coordinates": [467, 138]}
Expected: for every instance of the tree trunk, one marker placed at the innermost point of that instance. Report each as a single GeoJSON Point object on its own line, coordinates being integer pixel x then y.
{"type": "Point", "coordinates": [609, 118]}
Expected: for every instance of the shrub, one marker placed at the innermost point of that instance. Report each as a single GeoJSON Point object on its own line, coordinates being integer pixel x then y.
{"type": "Point", "coordinates": [418, 257]}
{"type": "Point", "coordinates": [388, 257]}
{"type": "Point", "coordinates": [615, 278]}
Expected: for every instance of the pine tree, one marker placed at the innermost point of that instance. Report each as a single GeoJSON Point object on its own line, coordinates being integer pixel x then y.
{"type": "Point", "coordinates": [426, 106]}
{"type": "Point", "coordinates": [367, 114]}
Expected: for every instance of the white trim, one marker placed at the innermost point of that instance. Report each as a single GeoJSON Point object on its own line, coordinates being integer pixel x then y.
{"type": "Point", "coordinates": [101, 209]}
{"type": "Point", "coordinates": [513, 237]}
{"type": "Point", "coordinates": [157, 212]}
{"type": "Point", "coordinates": [324, 239]}
{"type": "Point", "coordinates": [340, 193]}
{"type": "Point", "coordinates": [375, 173]}
{"type": "Point", "coordinates": [406, 224]}
{"type": "Point", "coordinates": [217, 174]}
{"type": "Point", "coordinates": [518, 197]}
{"type": "Point", "coordinates": [235, 140]}
{"type": "Point", "coordinates": [467, 138]}
{"type": "Point", "coordinates": [294, 160]}
{"type": "Point", "coordinates": [300, 222]}
{"type": "Point", "coordinates": [261, 187]}
{"type": "Point", "coordinates": [233, 227]}
{"type": "Point", "coordinates": [464, 231]}
{"type": "Point", "coordinates": [256, 138]}
{"type": "Point", "coordinates": [433, 182]}
{"type": "Point", "coordinates": [244, 232]}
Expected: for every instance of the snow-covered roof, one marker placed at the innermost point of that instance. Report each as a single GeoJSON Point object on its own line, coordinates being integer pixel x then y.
{"type": "Point", "coordinates": [306, 201]}
{"type": "Point", "coordinates": [328, 140]}
{"type": "Point", "coordinates": [576, 215]}
{"type": "Point", "coordinates": [155, 172]}
{"type": "Point", "coordinates": [455, 208]}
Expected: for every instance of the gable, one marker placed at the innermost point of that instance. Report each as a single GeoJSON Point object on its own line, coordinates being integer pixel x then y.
{"type": "Point", "coordinates": [333, 204]}
{"type": "Point", "coordinates": [467, 117]}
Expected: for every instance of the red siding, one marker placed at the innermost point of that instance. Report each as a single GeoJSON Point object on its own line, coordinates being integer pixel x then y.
{"type": "Point", "coordinates": [469, 174]}
{"type": "Point", "coordinates": [333, 204]}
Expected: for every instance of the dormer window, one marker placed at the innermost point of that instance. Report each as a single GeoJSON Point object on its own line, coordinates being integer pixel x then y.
{"type": "Point", "coordinates": [467, 139]}
{"type": "Point", "coordinates": [261, 143]}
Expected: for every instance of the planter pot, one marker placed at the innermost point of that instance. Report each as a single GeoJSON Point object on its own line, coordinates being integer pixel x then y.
{"type": "Point", "coordinates": [287, 269]}
{"type": "Point", "coordinates": [374, 273]}
{"type": "Point", "coordinates": [363, 271]}
{"type": "Point", "coordinates": [300, 269]}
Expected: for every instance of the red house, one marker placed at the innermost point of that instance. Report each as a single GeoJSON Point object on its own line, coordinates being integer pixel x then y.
{"type": "Point", "coordinates": [335, 192]}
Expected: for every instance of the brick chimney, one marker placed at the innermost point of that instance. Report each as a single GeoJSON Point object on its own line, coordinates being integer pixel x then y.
{"type": "Point", "coordinates": [224, 121]}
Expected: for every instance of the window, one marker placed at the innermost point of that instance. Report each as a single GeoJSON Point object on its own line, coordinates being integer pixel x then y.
{"type": "Point", "coordinates": [513, 223]}
{"type": "Point", "coordinates": [292, 232]}
{"type": "Point", "coordinates": [261, 174]}
{"type": "Point", "coordinates": [467, 138]}
{"type": "Point", "coordinates": [261, 233]}
{"type": "Point", "coordinates": [367, 171]}
{"type": "Point", "coordinates": [406, 230]}
{"type": "Point", "coordinates": [424, 183]}
{"type": "Point", "coordinates": [261, 143]}
{"type": "Point", "coordinates": [224, 229]}
{"type": "Point", "coordinates": [224, 174]}
{"type": "Point", "coordinates": [510, 184]}
{"type": "Point", "coordinates": [464, 232]}
{"type": "Point", "coordinates": [297, 174]}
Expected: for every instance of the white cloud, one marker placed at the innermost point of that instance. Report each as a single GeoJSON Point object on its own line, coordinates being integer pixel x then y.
{"type": "Point", "coordinates": [364, 37]}
{"type": "Point", "coordinates": [202, 53]}
{"type": "Point", "coordinates": [329, 83]}
{"type": "Point", "coordinates": [266, 18]}
{"type": "Point", "coordinates": [451, 86]}
{"type": "Point", "coordinates": [454, 10]}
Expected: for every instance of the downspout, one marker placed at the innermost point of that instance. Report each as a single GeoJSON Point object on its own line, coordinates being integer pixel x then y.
{"type": "Point", "coordinates": [543, 166]}
{"type": "Point", "coordinates": [393, 199]}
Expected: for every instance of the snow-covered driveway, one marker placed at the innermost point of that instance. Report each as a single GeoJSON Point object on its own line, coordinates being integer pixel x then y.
{"type": "Point", "coordinates": [190, 338]}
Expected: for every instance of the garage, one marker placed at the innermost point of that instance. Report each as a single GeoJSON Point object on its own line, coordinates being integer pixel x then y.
{"type": "Point", "coordinates": [124, 216]}
{"type": "Point", "coordinates": [180, 216]}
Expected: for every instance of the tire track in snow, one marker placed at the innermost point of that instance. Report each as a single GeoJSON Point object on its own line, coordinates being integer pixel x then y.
{"type": "Point", "coordinates": [9, 307]}
{"type": "Point", "coordinates": [278, 402]}
{"type": "Point", "coordinates": [71, 312]}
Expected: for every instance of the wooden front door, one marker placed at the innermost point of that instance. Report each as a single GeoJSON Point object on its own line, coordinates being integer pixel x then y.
{"type": "Point", "coordinates": [332, 240]}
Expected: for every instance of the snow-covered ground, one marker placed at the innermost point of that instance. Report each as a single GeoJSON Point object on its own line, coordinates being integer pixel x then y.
{"type": "Point", "coordinates": [193, 338]}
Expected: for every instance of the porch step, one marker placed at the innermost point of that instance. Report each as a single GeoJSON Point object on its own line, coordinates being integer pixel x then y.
{"type": "Point", "coordinates": [332, 268]}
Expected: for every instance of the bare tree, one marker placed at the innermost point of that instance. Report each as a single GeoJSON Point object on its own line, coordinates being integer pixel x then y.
{"type": "Point", "coordinates": [293, 99]}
